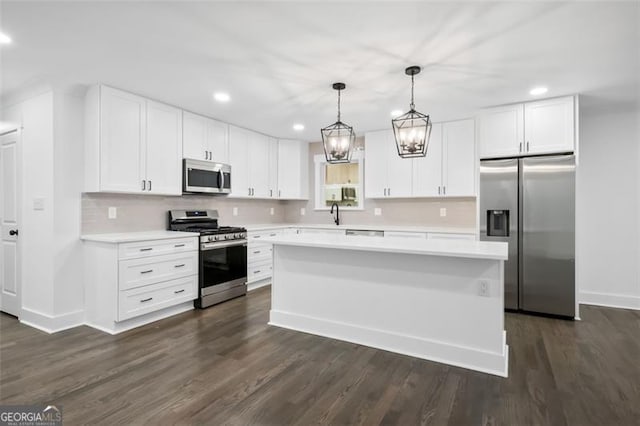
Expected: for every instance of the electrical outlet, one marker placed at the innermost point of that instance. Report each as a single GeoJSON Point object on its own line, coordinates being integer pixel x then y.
{"type": "Point", "coordinates": [272, 211]}
{"type": "Point", "coordinates": [377, 211]}
{"type": "Point", "coordinates": [113, 212]}
{"type": "Point", "coordinates": [483, 288]}
{"type": "Point", "coordinates": [303, 211]}
{"type": "Point", "coordinates": [235, 211]}
{"type": "Point", "coordinates": [38, 203]}
{"type": "Point", "coordinates": [443, 211]}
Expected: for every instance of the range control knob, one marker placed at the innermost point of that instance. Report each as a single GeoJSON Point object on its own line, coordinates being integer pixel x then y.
{"type": "Point", "coordinates": [210, 239]}
{"type": "Point", "coordinates": [216, 238]}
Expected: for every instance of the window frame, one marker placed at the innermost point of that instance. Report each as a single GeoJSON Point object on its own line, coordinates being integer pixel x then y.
{"type": "Point", "coordinates": [320, 163]}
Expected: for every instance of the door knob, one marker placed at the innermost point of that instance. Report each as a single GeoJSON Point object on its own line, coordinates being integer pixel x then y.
{"type": "Point", "coordinates": [13, 232]}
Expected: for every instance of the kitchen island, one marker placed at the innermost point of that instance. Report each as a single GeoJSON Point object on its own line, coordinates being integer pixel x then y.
{"type": "Point", "coordinates": [432, 299]}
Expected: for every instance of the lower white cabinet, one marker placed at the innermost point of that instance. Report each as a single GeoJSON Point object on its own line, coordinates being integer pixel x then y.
{"type": "Point", "coordinates": [260, 257]}
{"type": "Point", "coordinates": [129, 284]}
{"type": "Point", "coordinates": [404, 234]}
{"type": "Point", "coordinates": [449, 236]}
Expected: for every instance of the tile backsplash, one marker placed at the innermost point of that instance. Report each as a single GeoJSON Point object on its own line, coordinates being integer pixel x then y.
{"type": "Point", "coordinates": [149, 212]}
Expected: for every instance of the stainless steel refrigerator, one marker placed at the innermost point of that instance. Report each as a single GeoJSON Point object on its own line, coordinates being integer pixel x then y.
{"type": "Point", "coordinates": [530, 204]}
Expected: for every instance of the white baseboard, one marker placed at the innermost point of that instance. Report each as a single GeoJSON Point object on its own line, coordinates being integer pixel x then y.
{"type": "Point", "coordinates": [610, 300]}
{"type": "Point", "coordinates": [258, 284]}
{"type": "Point", "coordinates": [119, 327]}
{"type": "Point", "coordinates": [446, 353]}
{"type": "Point", "coordinates": [49, 323]}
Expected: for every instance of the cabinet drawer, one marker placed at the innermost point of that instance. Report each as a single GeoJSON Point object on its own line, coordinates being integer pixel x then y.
{"type": "Point", "coordinates": [149, 270]}
{"type": "Point", "coordinates": [139, 301]}
{"type": "Point", "coordinates": [260, 235]}
{"type": "Point", "coordinates": [260, 253]}
{"type": "Point", "coordinates": [157, 247]}
{"type": "Point", "coordinates": [259, 271]}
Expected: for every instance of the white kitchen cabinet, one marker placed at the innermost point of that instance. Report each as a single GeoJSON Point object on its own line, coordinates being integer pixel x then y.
{"type": "Point", "coordinates": [387, 175]}
{"type": "Point", "coordinates": [427, 170]}
{"type": "Point", "coordinates": [449, 236]}
{"type": "Point", "coordinates": [458, 159]}
{"type": "Point", "coordinates": [260, 257]}
{"type": "Point", "coordinates": [293, 170]}
{"type": "Point", "coordinates": [405, 234]}
{"type": "Point", "coordinates": [273, 168]}
{"type": "Point", "coordinates": [252, 174]}
{"type": "Point", "coordinates": [501, 131]}
{"type": "Point", "coordinates": [133, 144]}
{"type": "Point", "coordinates": [449, 168]}
{"type": "Point", "coordinates": [541, 127]}
{"type": "Point", "coordinates": [549, 126]}
{"type": "Point", "coordinates": [205, 139]}
{"type": "Point", "coordinates": [128, 284]}
{"type": "Point", "coordinates": [163, 149]}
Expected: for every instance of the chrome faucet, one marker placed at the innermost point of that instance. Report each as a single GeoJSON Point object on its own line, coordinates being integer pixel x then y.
{"type": "Point", "coordinates": [337, 218]}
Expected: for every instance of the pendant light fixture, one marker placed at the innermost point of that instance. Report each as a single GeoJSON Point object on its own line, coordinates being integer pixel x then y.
{"type": "Point", "coordinates": [412, 129]}
{"type": "Point", "coordinates": [338, 139]}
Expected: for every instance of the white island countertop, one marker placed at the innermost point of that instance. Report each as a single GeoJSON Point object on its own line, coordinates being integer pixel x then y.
{"type": "Point", "coordinates": [370, 227]}
{"type": "Point", "coordinates": [448, 248]}
{"type": "Point", "coordinates": [129, 237]}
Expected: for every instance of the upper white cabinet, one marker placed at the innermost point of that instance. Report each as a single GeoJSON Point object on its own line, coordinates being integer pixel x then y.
{"type": "Point", "coordinates": [448, 169]}
{"type": "Point", "coordinates": [133, 144]}
{"type": "Point", "coordinates": [263, 167]}
{"type": "Point", "coordinates": [205, 139]}
{"type": "Point", "coordinates": [549, 126]}
{"type": "Point", "coordinates": [541, 127]}
{"type": "Point", "coordinates": [386, 174]}
{"type": "Point", "coordinates": [501, 131]}
{"type": "Point", "coordinates": [293, 169]}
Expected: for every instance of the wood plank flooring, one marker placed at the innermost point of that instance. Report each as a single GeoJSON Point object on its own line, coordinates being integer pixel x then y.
{"type": "Point", "coordinates": [225, 365]}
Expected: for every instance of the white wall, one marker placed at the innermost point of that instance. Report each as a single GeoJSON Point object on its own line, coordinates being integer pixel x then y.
{"type": "Point", "coordinates": [607, 204]}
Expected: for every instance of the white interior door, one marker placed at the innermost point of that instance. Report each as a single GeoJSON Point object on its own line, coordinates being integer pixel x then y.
{"type": "Point", "coordinates": [9, 215]}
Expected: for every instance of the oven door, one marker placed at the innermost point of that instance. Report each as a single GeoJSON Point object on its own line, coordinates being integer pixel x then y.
{"type": "Point", "coordinates": [206, 177]}
{"type": "Point", "coordinates": [222, 266]}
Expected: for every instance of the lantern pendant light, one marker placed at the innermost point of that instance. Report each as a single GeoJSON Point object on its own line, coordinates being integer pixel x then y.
{"type": "Point", "coordinates": [338, 139]}
{"type": "Point", "coordinates": [412, 129]}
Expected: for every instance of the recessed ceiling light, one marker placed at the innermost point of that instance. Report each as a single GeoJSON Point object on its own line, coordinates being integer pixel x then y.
{"type": "Point", "coordinates": [538, 91]}
{"type": "Point", "coordinates": [298, 127]}
{"type": "Point", "coordinates": [221, 97]}
{"type": "Point", "coordinates": [396, 113]}
{"type": "Point", "coordinates": [4, 39]}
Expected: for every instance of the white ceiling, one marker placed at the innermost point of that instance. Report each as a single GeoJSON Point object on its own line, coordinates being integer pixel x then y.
{"type": "Point", "coordinates": [278, 60]}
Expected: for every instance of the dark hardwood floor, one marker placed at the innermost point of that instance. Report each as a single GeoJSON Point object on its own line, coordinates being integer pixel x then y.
{"type": "Point", "coordinates": [225, 365]}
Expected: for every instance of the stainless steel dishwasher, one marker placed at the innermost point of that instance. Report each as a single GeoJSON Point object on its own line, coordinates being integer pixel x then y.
{"type": "Point", "coordinates": [364, 233]}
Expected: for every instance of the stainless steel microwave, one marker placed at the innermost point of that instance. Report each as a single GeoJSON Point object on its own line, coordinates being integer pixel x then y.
{"type": "Point", "coordinates": [206, 177]}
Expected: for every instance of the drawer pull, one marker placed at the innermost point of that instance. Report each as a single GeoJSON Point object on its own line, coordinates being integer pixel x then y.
{"type": "Point", "coordinates": [256, 236]}
{"type": "Point", "coordinates": [256, 272]}
{"type": "Point", "coordinates": [146, 249]}
{"type": "Point", "coordinates": [178, 291]}
{"type": "Point", "coordinates": [272, 235]}
{"type": "Point", "coordinates": [147, 271]}
{"type": "Point", "coordinates": [179, 266]}
{"type": "Point", "coordinates": [179, 245]}
{"type": "Point", "coordinates": [256, 252]}
{"type": "Point", "coordinates": [146, 300]}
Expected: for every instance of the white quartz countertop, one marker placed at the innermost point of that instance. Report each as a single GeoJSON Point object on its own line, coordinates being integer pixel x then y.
{"type": "Point", "coordinates": [128, 237]}
{"type": "Point", "coordinates": [447, 248]}
{"type": "Point", "coordinates": [394, 228]}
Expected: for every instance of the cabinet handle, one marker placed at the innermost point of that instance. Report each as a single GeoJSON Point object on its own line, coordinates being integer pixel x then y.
{"type": "Point", "coordinates": [271, 193]}
{"type": "Point", "coordinates": [178, 291]}
{"type": "Point", "coordinates": [444, 190]}
{"type": "Point", "coordinates": [149, 185]}
{"type": "Point", "coordinates": [146, 300]}
{"type": "Point", "coordinates": [385, 192]}
{"type": "Point", "coordinates": [146, 249]}
{"type": "Point", "coordinates": [527, 146]}
{"type": "Point", "coordinates": [279, 193]}
{"type": "Point", "coordinates": [520, 147]}
{"type": "Point", "coordinates": [147, 271]}
{"type": "Point", "coordinates": [256, 252]}
{"type": "Point", "coordinates": [389, 191]}
{"type": "Point", "coordinates": [144, 185]}
{"type": "Point", "coordinates": [179, 266]}
{"type": "Point", "coordinates": [206, 154]}
{"type": "Point", "coordinates": [438, 190]}
{"type": "Point", "coordinates": [256, 272]}
{"type": "Point", "coordinates": [257, 236]}
{"type": "Point", "coordinates": [179, 245]}
{"type": "Point", "coordinates": [272, 235]}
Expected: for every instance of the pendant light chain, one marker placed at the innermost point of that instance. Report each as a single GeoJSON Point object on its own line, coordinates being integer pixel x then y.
{"type": "Point", "coordinates": [338, 105]}
{"type": "Point", "coordinates": [411, 104]}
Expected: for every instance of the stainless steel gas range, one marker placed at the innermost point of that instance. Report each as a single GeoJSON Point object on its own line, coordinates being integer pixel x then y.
{"type": "Point", "coordinates": [223, 255]}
